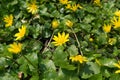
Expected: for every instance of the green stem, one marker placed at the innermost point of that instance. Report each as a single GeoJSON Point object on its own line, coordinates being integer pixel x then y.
{"type": "Point", "coordinates": [48, 42]}
{"type": "Point", "coordinates": [31, 63]}
{"type": "Point", "coordinates": [78, 70]}
{"type": "Point", "coordinates": [28, 61]}
{"type": "Point", "coordinates": [79, 45]}
{"type": "Point", "coordinates": [12, 60]}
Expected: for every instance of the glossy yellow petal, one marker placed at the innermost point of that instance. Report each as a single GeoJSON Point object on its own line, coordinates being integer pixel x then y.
{"type": "Point", "coordinates": [60, 39]}
{"type": "Point", "coordinates": [63, 1]}
{"type": "Point", "coordinates": [15, 48]}
{"type": "Point", "coordinates": [117, 65]}
{"type": "Point", "coordinates": [32, 7]}
{"type": "Point", "coordinates": [78, 58]}
{"type": "Point", "coordinates": [117, 71]}
{"type": "Point", "coordinates": [8, 19]}
{"type": "Point", "coordinates": [107, 28]}
{"type": "Point", "coordinates": [55, 24]}
{"type": "Point", "coordinates": [21, 33]}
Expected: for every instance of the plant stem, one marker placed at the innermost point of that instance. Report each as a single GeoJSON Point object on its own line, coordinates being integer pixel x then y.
{"type": "Point", "coordinates": [12, 60]}
{"type": "Point", "coordinates": [48, 42]}
{"type": "Point", "coordinates": [78, 69]}
{"type": "Point", "coordinates": [79, 46]}
{"type": "Point", "coordinates": [29, 61]}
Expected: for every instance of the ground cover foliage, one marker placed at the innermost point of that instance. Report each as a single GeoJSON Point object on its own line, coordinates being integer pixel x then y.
{"type": "Point", "coordinates": [59, 40]}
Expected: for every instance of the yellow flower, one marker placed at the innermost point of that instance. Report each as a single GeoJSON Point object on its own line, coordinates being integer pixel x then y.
{"type": "Point", "coordinates": [21, 33]}
{"type": "Point", "coordinates": [75, 7]}
{"type": "Point", "coordinates": [15, 48]}
{"type": "Point", "coordinates": [106, 28]}
{"type": "Point", "coordinates": [60, 39]}
{"type": "Point", "coordinates": [55, 24]}
{"type": "Point", "coordinates": [68, 6]}
{"type": "Point", "coordinates": [117, 13]}
{"type": "Point", "coordinates": [32, 7]}
{"type": "Point", "coordinates": [63, 1]}
{"type": "Point", "coordinates": [118, 66]}
{"type": "Point", "coordinates": [116, 22]}
{"type": "Point", "coordinates": [112, 41]}
{"type": "Point", "coordinates": [97, 2]}
{"type": "Point", "coordinates": [78, 58]}
{"type": "Point", "coordinates": [91, 39]}
{"type": "Point", "coordinates": [69, 23]}
{"type": "Point", "coordinates": [8, 20]}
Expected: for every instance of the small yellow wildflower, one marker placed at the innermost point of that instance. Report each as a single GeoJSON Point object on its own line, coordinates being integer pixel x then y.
{"type": "Point", "coordinates": [112, 41]}
{"type": "Point", "coordinates": [63, 1]}
{"type": "Point", "coordinates": [75, 7]}
{"type": "Point", "coordinates": [91, 39]}
{"type": "Point", "coordinates": [60, 39]}
{"type": "Point", "coordinates": [69, 23]}
{"type": "Point", "coordinates": [78, 58]}
{"type": "Point", "coordinates": [118, 66]}
{"type": "Point", "coordinates": [21, 33]}
{"type": "Point", "coordinates": [8, 20]}
{"type": "Point", "coordinates": [117, 13]}
{"type": "Point", "coordinates": [55, 24]}
{"type": "Point", "coordinates": [116, 22]}
{"type": "Point", "coordinates": [97, 2]}
{"type": "Point", "coordinates": [106, 28]}
{"type": "Point", "coordinates": [68, 6]}
{"type": "Point", "coordinates": [15, 48]}
{"type": "Point", "coordinates": [32, 7]}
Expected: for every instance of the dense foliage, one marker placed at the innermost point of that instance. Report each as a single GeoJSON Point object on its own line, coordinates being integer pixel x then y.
{"type": "Point", "coordinates": [59, 40]}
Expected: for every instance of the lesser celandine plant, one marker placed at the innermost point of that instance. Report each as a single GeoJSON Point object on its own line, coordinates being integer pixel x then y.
{"type": "Point", "coordinates": [59, 40]}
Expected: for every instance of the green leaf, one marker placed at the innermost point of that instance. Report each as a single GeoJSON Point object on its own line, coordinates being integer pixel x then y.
{"type": "Point", "coordinates": [89, 18]}
{"type": "Point", "coordinates": [84, 44]}
{"type": "Point", "coordinates": [115, 77]}
{"type": "Point", "coordinates": [64, 74]}
{"type": "Point", "coordinates": [96, 77]}
{"type": "Point", "coordinates": [85, 72]}
{"type": "Point", "coordinates": [2, 63]}
{"type": "Point", "coordinates": [49, 64]}
{"type": "Point", "coordinates": [60, 58]}
{"type": "Point", "coordinates": [106, 73]}
{"type": "Point", "coordinates": [116, 51]}
{"type": "Point", "coordinates": [89, 69]}
{"type": "Point", "coordinates": [8, 76]}
{"type": "Point", "coordinates": [107, 62]}
{"type": "Point", "coordinates": [94, 67]}
{"type": "Point", "coordinates": [50, 75]}
{"type": "Point", "coordinates": [36, 77]}
{"type": "Point", "coordinates": [72, 50]}
{"type": "Point", "coordinates": [86, 27]}
{"type": "Point", "coordinates": [102, 39]}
